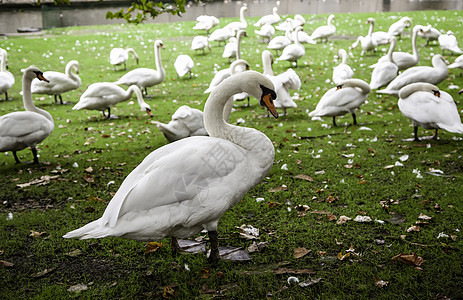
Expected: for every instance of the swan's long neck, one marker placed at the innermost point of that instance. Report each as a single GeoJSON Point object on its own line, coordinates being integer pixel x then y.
{"type": "Point", "coordinates": [27, 99]}
{"type": "Point", "coordinates": [157, 58]}
{"type": "Point", "coordinates": [343, 55]}
{"type": "Point", "coordinates": [242, 19]}
{"type": "Point", "coordinates": [414, 48]}
{"type": "Point", "coordinates": [370, 30]}
{"type": "Point", "coordinates": [267, 63]}
{"type": "Point", "coordinates": [2, 61]}
{"type": "Point", "coordinates": [250, 139]}
{"type": "Point", "coordinates": [130, 50]}
{"type": "Point", "coordinates": [238, 45]}
{"type": "Point", "coordinates": [70, 74]}
{"type": "Point", "coordinates": [365, 87]}
{"type": "Point", "coordinates": [391, 50]}
{"type": "Point", "coordinates": [439, 63]}
{"type": "Point", "coordinates": [415, 87]}
{"type": "Point", "coordinates": [296, 37]}
{"type": "Point", "coordinates": [136, 90]}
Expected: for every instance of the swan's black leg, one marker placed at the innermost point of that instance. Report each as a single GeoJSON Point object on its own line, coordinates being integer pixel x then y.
{"type": "Point", "coordinates": [56, 99]}
{"type": "Point", "coordinates": [174, 245]}
{"type": "Point", "coordinates": [415, 130]}
{"type": "Point", "coordinates": [146, 91]}
{"type": "Point", "coordinates": [34, 152]}
{"type": "Point", "coordinates": [355, 118]}
{"type": "Point", "coordinates": [284, 111]}
{"type": "Point", "coordinates": [435, 135]}
{"type": "Point", "coordinates": [16, 157]}
{"type": "Point", "coordinates": [6, 96]}
{"type": "Point", "coordinates": [334, 121]}
{"type": "Point", "coordinates": [248, 102]}
{"type": "Point", "coordinates": [213, 238]}
{"type": "Point", "coordinates": [60, 99]}
{"type": "Point", "coordinates": [109, 112]}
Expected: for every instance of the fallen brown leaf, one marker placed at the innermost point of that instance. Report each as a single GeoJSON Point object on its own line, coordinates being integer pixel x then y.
{"type": "Point", "coordinates": [77, 288]}
{"type": "Point", "coordinates": [42, 273]}
{"type": "Point", "coordinates": [205, 273]}
{"type": "Point", "coordinates": [169, 292]}
{"type": "Point", "coordinates": [413, 228]}
{"type": "Point", "coordinates": [89, 178]}
{"type": "Point", "coordinates": [292, 271]}
{"type": "Point", "coordinates": [43, 180]}
{"type": "Point", "coordinates": [36, 233]}
{"type": "Point", "coordinates": [331, 217]}
{"type": "Point", "coordinates": [304, 177]}
{"type": "Point", "coordinates": [343, 256]}
{"type": "Point", "coordinates": [152, 247]}
{"type": "Point", "coordinates": [411, 259]}
{"type": "Point", "coordinates": [6, 263]}
{"type": "Point", "coordinates": [89, 170]}
{"type": "Point", "coordinates": [300, 252]}
{"type": "Point", "coordinates": [279, 189]}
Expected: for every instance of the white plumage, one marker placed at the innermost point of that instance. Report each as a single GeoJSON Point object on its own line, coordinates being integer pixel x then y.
{"type": "Point", "coordinates": [458, 63]}
{"type": "Point", "coordinates": [385, 71]}
{"type": "Point", "coordinates": [183, 64]}
{"type": "Point", "coordinates": [241, 24]}
{"type": "Point", "coordinates": [449, 42]}
{"type": "Point", "coordinates": [200, 43]}
{"type": "Point", "coordinates": [269, 19]}
{"type": "Point", "coordinates": [368, 43]}
{"type": "Point", "coordinates": [22, 129]}
{"type": "Point", "coordinates": [323, 32]}
{"type": "Point", "coordinates": [279, 42]}
{"type": "Point", "coordinates": [398, 27]}
{"type": "Point", "coordinates": [294, 51]}
{"type": "Point", "coordinates": [103, 95]}
{"type": "Point", "coordinates": [6, 77]}
{"type": "Point", "coordinates": [345, 98]}
{"type": "Point", "coordinates": [119, 56]}
{"type": "Point", "coordinates": [59, 83]}
{"type": "Point", "coordinates": [186, 121]}
{"type": "Point", "coordinates": [225, 73]}
{"type": "Point", "coordinates": [221, 35]}
{"type": "Point", "coordinates": [145, 77]}
{"type": "Point", "coordinates": [265, 32]}
{"type": "Point", "coordinates": [429, 33]}
{"type": "Point", "coordinates": [342, 71]}
{"type": "Point", "coordinates": [185, 187]}
{"type": "Point", "coordinates": [427, 106]}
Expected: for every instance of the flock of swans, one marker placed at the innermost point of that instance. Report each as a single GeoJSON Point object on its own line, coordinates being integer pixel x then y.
{"type": "Point", "coordinates": [146, 206]}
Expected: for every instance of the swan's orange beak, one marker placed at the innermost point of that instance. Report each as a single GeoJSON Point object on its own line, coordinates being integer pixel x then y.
{"type": "Point", "coordinates": [268, 102]}
{"type": "Point", "coordinates": [40, 77]}
{"type": "Point", "coordinates": [148, 111]}
{"type": "Point", "coordinates": [436, 93]}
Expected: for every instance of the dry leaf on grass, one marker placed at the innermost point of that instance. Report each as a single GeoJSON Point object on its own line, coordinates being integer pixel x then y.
{"type": "Point", "coordinates": [300, 252]}
{"type": "Point", "coordinates": [292, 271]}
{"type": "Point", "coordinates": [78, 288]}
{"type": "Point", "coordinates": [362, 219]}
{"type": "Point", "coordinates": [279, 189]}
{"type": "Point", "coordinates": [343, 256]}
{"type": "Point", "coordinates": [304, 177]}
{"type": "Point", "coordinates": [411, 259]}
{"type": "Point", "coordinates": [380, 283]}
{"type": "Point", "coordinates": [424, 217]}
{"type": "Point", "coordinates": [413, 228]}
{"type": "Point", "coordinates": [342, 220]}
{"type": "Point", "coordinates": [248, 232]}
{"type": "Point", "coordinates": [152, 247]}
{"type": "Point", "coordinates": [37, 234]}
{"type": "Point", "coordinates": [309, 282]}
{"type": "Point", "coordinates": [43, 180]}
{"type": "Point", "coordinates": [6, 263]}
{"type": "Point", "coordinates": [42, 273]}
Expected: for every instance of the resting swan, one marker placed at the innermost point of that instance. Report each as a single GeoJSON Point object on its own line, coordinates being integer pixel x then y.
{"type": "Point", "coordinates": [426, 106]}
{"type": "Point", "coordinates": [367, 42]}
{"type": "Point", "coordinates": [449, 42]}
{"type": "Point", "coordinates": [200, 43]}
{"type": "Point", "coordinates": [183, 64]}
{"type": "Point", "coordinates": [269, 19]}
{"type": "Point", "coordinates": [323, 32]}
{"type": "Point", "coordinates": [58, 83]}
{"type": "Point", "coordinates": [385, 71]}
{"type": "Point", "coordinates": [283, 82]}
{"type": "Point", "coordinates": [6, 78]}
{"type": "Point", "coordinates": [144, 77]}
{"type": "Point", "coordinates": [405, 60]}
{"type": "Point", "coordinates": [294, 51]}
{"type": "Point", "coordinates": [342, 71]}
{"type": "Point", "coordinates": [22, 129]}
{"type": "Point", "coordinates": [186, 121]}
{"type": "Point", "coordinates": [119, 56]}
{"type": "Point", "coordinates": [280, 42]}
{"type": "Point", "coordinates": [102, 95]}
{"type": "Point", "coordinates": [342, 99]}
{"type": "Point", "coordinates": [225, 73]}
{"type": "Point", "coordinates": [185, 187]}
{"type": "Point", "coordinates": [433, 75]}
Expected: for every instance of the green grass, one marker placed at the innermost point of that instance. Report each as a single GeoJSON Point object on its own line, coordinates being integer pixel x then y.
{"type": "Point", "coordinates": [119, 268]}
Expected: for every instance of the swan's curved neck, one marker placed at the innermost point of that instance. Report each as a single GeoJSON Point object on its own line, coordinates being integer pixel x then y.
{"type": "Point", "coordinates": [370, 30]}
{"type": "Point", "coordinates": [296, 37]}
{"type": "Point", "coordinates": [343, 55]}
{"type": "Point", "coordinates": [391, 50]}
{"type": "Point", "coordinates": [27, 99]}
{"type": "Point", "coordinates": [365, 87]}
{"type": "Point", "coordinates": [136, 90]}
{"type": "Point", "coordinates": [415, 87]}
{"type": "Point", "coordinates": [130, 50]}
{"type": "Point", "coordinates": [70, 74]}
{"type": "Point", "coordinates": [157, 58]}
{"type": "Point", "coordinates": [2, 62]}
{"type": "Point", "coordinates": [250, 139]}
{"type": "Point", "coordinates": [238, 45]}
{"type": "Point", "coordinates": [242, 19]}
{"type": "Point", "coordinates": [414, 48]}
{"type": "Point", "coordinates": [267, 64]}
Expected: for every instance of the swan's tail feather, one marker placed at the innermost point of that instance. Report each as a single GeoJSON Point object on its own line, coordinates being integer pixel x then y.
{"type": "Point", "coordinates": [456, 128]}
{"type": "Point", "coordinates": [92, 230]}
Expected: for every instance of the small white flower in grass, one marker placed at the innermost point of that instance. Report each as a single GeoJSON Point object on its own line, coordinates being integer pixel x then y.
{"type": "Point", "coordinates": [284, 167]}
{"type": "Point", "coordinates": [442, 235]}
{"type": "Point", "coordinates": [187, 268]}
{"type": "Point", "coordinates": [341, 181]}
{"type": "Point", "coordinates": [75, 165]}
{"type": "Point", "coordinates": [404, 157]}
{"type": "Point", "coordinates": [260, 199]}
{"type": "Point", "coordinates": [380, 221]}
{"type": "Point", "coordinates": [9, 217]}
{"type": "Point", "coordinates": [428, 146]}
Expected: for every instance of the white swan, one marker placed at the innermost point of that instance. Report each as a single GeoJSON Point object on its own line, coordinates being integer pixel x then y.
{"type": "Point", "coordinates": [269, 19]}
{"type": "Point", "coordinates": [225, 73]}
{"type": "Point", "coordinates": [385, 71]}
{"type": "Point", "coordinates": [22, 129]}
{"type": "Point", "coordinates": [265, 32]}
{"type": "Point", "coordinates": [294, 51]}
{"type": "Point", "coordinates": [6, 77]}
{"type": "Point", "coordinates": [102, 95]}
{"type": "Point", "coordinates": [279, 42]}
{"type": "Point", "coordinates": [458, 63]}
{"type": "Point", "coordinates": [398, 27]}
{"type": "Point", "coordinates": [344, 98]}
{"type": "Point", "coordinates": [242, 24]}
{"type": "Point", "coordinates": [429, 33]}
{"type": "Point", "coordinates": [185, 187]}
{"type": "Point", "coordinates": [283, 82]}
{"type": "Point", "coordinates": [200, 43]}
{"type": "Point", "coordinates": [58, 83]}
{"type": "Point", "coordinates": [433, 75]}
{"type": "Point", "coordinates": [449, 42]}
{"type": "Point", "coordinates": [183, 64]}
{"type": "Point", "coordinates": [323, 32]}
{"type": "Point", "coordinates": [426, 106]}
{"type": "Point", "coordinates": [221, 35]}
{"type": "Point", "coordinates": [405, 60]}
{"type": "Point", "coordinates": [233, 47]}
{"type": "Point", "coordinates": [119, 56]}
{"type": "Point", "coordinates": [186, 121]}
{"type": "Point", "coordinates": [342, 71]}
{"type": "Point", "coordinates": [144, 77]}
{"type": "Point", "coordinates": [205, 22]}
{"type": "Point", "coordinates": [367, 42]}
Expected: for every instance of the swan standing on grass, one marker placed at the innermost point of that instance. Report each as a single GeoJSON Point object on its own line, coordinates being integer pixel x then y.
{"type": "Point", "coordinates": [200, 43]}
{"type": "Point", "coordinates": [206, 22]}
{"type": "Point", "coordinates": [144, 77]}
{"type": "Point", "coordinates": [269, 19]}
{"type": "Point", "coordinates": [429, 33]}
{"type": "Point", "coordinates": [225, 73]}
{"type": "Point", "coordinates": [405, 60]}
{"type": "Point", "coordinates": [102, 95]}
{"type": "Point", "coordinates": [221, 35]}
{"type": "Point", "coordinates": [458, 63]}
{"type": "Point", "coordinates": [342, 71]}
{"type": "Point", "coordinates": [265, 32]}
{"type": "Point", "coordinates": [398, 27]}
{"type": "Point", "coordinates": [183, 64]}
{"type": "Point", "coordinates": [186, 121]}
{"type": "Point", "coordinates": [58, 83]}
{"type": "Point", "coordinates": [283, 82]}
{"type": "Point", "coordinates": [22, 129]}
{"type": "Point", "coordinates": [367, 42]}
{"type": "Point", "coordinates": [449, 42]}
{"type": "Point", "coordinates": [185, 187]}
{"type": "Point", "coordinates": [6, 78]}
{"type": "Point", "coordinates": [433, 75]}
{"type": "Point", "coordinates": [233, 47]}
{"type": "Point", "coordinates": [119, 56]}
{"type": "Point", "coordinates": [242, 24]}
{"type": "Point", "coordinates": [323, 32]}
{"type": "Point", "coordinates": [294, 51]}
{"type": "Point", "coordinates": [385, 71]}
{"type": "Point", "coordinates": [426, 106]}
{"type": "Point", "coordinates": [344, 98]}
